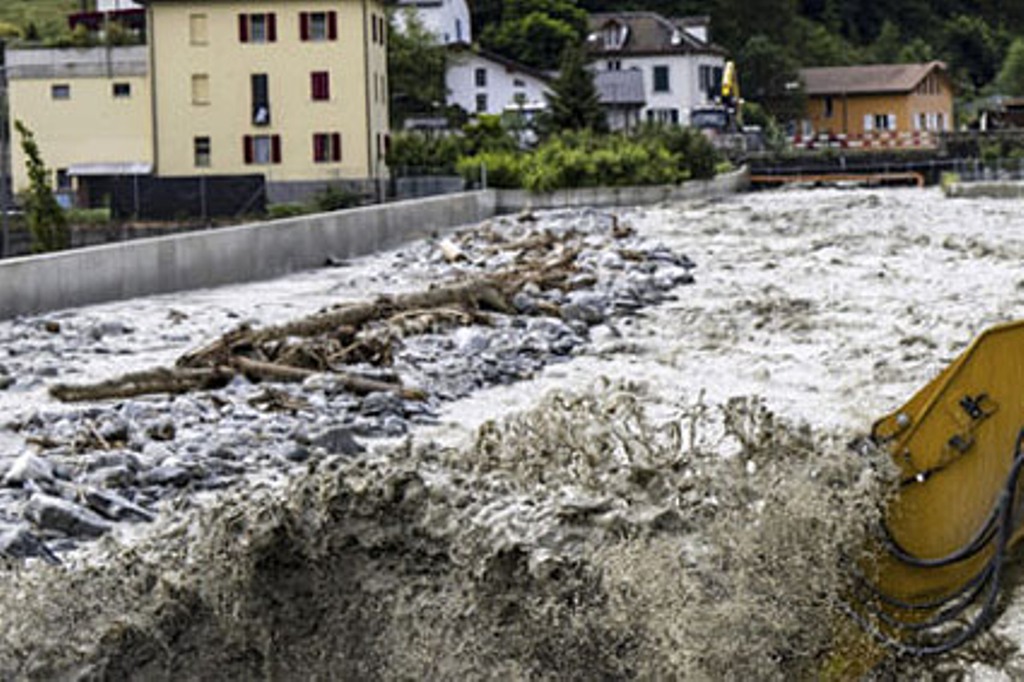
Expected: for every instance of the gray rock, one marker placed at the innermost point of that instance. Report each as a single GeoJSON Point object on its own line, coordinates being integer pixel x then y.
{"type": "Point", "coordinates": [114, 430]}
{"type": "Point", "coordinates": [29, 467]}
{"type": "Point", "coordinates": [17, 542]}
{"type": "Point", "coordinates": [113, 458]}
{"type": "Point", "coordinates": [381, 402]}
{"type": "Point", "coordinates": [470, 341]}
{"type": "Point", "coordinates": [163, 429]}
{"type": "Point", "coordinates": [524, 303]}
{"type": "Point", "coordinates": [167, 475]}
{"type": "Point", "coordinates": [297, 454]}
{"type": "Point", "coordinates": [115, 507]}
{"type": "Point", "coordinates": [338, 441]}
{"type": "Point", "coordinates": [111, 477]}
{"type": "Point", "coordinates": [53, 513]}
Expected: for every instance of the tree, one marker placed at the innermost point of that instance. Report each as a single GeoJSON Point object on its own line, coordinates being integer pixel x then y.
{"type": "Point", "coordinates": [536, 32]}
{"type": "Point", "coordinates": [416, 68]}
{"type": "Point", "coordinates": [888, 45]}
{"type": "Point", "coordinates": [770, 77]}
{"type": "Point", "coordinates": [1011, 76]}
{"type": "Point", "coordinates": [918, 51]}
{"type": "Point", "coordinates": [574, 101]}
{"type": "Point", "coordinates": [973, 49]}
{"type": "Point", "coordinates": [44, 216]}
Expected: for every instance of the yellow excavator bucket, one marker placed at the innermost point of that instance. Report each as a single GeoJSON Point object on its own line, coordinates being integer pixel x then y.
{"type": "Point", "coordinates": [957, 444]}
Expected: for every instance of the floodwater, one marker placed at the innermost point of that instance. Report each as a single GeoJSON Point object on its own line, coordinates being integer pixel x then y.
{"type": "Point", "coordinates": [674, 502]}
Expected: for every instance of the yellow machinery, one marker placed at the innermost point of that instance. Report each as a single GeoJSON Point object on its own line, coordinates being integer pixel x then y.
{"type": "Point", "coordinates": [957, 444]}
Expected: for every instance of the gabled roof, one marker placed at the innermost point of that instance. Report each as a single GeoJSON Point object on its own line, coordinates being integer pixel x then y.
{"type": "Point", "coordinates": [510, 64]}
{"type": "Point", "coordinates": [620, 87]}
{"type": "Point", "coordinates": [871, 79]}
{"type": "Point", "coordinates": [649, 33]}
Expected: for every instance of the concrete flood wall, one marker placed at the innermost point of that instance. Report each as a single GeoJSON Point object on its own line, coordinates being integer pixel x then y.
{"type": "Point", "coordinates": [510, 200]}
{"type": "Point", "coordinates": [246, 253]}
{"type": "Point", "coordinates": [225, 255]}
{"type": "Point", "coordinates": [1001, 189]}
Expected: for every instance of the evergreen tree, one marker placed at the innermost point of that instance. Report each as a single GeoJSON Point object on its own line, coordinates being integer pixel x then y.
{"type": "Point", "coordinates": [888, 45]}
{"type": "Point", "coordinates": [574, 101]}
{"type": "Point", "coordinates": [1011, 76]}
{"type": "Point", "coordinates": [44, 216]}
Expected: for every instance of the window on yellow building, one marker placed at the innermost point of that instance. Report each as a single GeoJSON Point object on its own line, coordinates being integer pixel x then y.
{"type": "Point", "coordinates": [318, 26]}
{"type": "Point", "coordinates": [257, 28]}
{"type": "Point", "coordinates": [200, 88]}
{"type": "Point", "coordinates": [326, 147]}
{"type": "Point", "coordinates": [60, 91]}
{"type": "Point", "coordinates": [262, 149]}
{"type": "Point", "coordinates": [320, 85]}
{"type": "Point", "coordinates": [122, 90]}
{"type": "Point", "coordinates": [198, 32]}
{"type": "Point", "coordinates": [201, 151]}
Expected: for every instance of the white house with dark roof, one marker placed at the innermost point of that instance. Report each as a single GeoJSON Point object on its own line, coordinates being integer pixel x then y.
{"type": "Point", "coordinates": [482, 82]}
{"type": "Point", "coordinates": [448, 20]}
{"type": "Point", "coordinates": [681, 68]}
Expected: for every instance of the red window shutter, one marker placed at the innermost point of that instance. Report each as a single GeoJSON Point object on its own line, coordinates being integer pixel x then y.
{"type": "Point", "coordinates": [332, 25]}
{"type": "Point", "coordinates": [316, 147]}
{"type": "Point", "coordinates": [271, 27]}
{"type": "Point", "coordinates": [336, 147]}
{"type": "Point", "coordinates": [243, 28]}
{"type": "Point", "coordinates": [373, 18]}
{"type": "Point", "coordinates": [275, 149]}
{"type": "Point", "coordinates": [247, 148]}
{"type": "Point", "coordinates": [325, 84]}
{"type": "Point", "coordinates": [304, 25]}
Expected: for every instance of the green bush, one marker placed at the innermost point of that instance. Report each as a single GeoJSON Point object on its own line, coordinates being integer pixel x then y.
{"type": "Point", "coordinates": [88, 216]}
{"type": "Point", "coordinates": [334, 198]}
{"type": "Point", "coordinates": [504, 169]}
{"type": "Point", "coordinates": [654, 156]}
{"type": "Point", "coordinates": [277, 211]}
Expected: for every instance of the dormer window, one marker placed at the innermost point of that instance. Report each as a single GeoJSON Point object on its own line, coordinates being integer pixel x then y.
{"type": "Point", "coordinates": [614, 36]}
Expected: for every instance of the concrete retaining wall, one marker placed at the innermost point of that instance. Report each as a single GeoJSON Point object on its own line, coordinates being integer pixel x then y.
{"type": "Point", "coordinates": [246, 253]}
{"type": "Point", "coordinates": [1003, 189]}
{"type": "Point", "coordinates": [513, 200]}
{"type": "Point", "coordinates": [226, 255]}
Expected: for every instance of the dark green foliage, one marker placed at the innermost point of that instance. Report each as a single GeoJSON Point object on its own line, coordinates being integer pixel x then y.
{"type": "Point", "coordinates": [574, 100]}
{"type": "Point", "coordinates": [534, 32]}
{"type": "Point", "coordinates": [974, 50]}
{"type": "Point", "coordinates": [652, 156]}
{"type": "Point", "coordinates": [1011, 77]}
{"type": "Point", "coordinates": [416, 66]}
{"type": "Point", "coordinates": [427, 154]}
{"type": "Point", "coordinates": [335, 198]}
{"type": "Point", "coordinates": [43, 215]}
{"type": "Point", "coordinates": [769, 76]}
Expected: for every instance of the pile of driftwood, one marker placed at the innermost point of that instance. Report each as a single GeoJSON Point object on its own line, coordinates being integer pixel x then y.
{"type": "Point", "coordinates": [362, 332]}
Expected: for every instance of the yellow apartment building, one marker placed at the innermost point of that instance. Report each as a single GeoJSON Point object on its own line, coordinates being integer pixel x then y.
{"type": "Point", "coordinates": [884, 100]}
{"type": "Point", "coordinates": [295, 90]}
{"type": "Point", "coordinates": [88, 108]}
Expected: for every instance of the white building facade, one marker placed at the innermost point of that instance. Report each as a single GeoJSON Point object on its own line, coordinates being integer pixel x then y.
{"type": "Point", "coordinates": [484, 83]}
{"type": "Point", "coordinates": [448, 20]}
{"type": "Point", "coordinates": [116, 5]}
{"type": "Point", "coordinates": [681, 69]}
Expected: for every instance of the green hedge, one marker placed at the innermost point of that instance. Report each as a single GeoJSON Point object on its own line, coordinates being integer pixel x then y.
{"type": "Point", "coordinates": [652, 156]}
